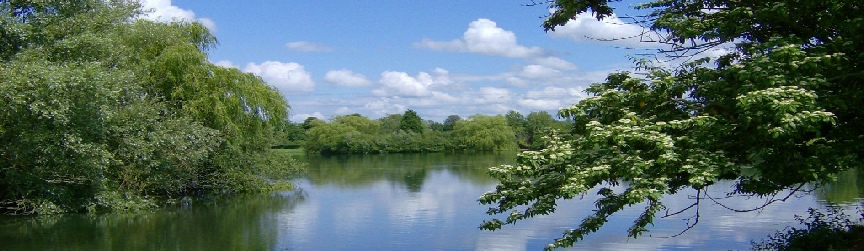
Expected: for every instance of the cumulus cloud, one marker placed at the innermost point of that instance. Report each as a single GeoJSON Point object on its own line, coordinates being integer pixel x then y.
{"type": "Point", "coordinates": [540, 104]}
{"type": "Point", "coordinates": [556, 92]}
{"type": "Point", "coordinates": [550, 98]}
{"type": "Point", "coordinates": [611, 29]}
{"type": "Point", "coordinates": [165, 11]}
{"type": "Point", "coordinates": [538, 72]}
{"type": "Point", "coordinates": [287, 77]}
{"type": "Point", "coordinates": [402, 84]}
{"type": "Point", "coordinates": [342, 110]}
{"type": "Point", "coordinates": [516, 81]}
{"type": "Point", "coordinates": [555, 63]}
{"type": "Point", "coordinates": [384, 105]}
{"type": "Point", "coordinates": [485, 37]}
{"type": "Point", "coordinates": [346, 77]}
{"type": "Point", "coordinates": [304, 46]}
{"type": "Point", "coordinates": [489, 95]}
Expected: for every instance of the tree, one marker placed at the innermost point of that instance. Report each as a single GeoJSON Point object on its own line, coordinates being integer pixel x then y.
{"type": "Point", "coordinates": [102, 111]}
{"type": "Point", "coordinates": [537, 124]}
{"type": "Point", "coordinates": [411, 122]}
{"type": "Point", "coordinates": [517, 122]}
{"type": "Point", "coordinates": [435, 126]}
{"type": "Point", "coordinates": [323, 137]}
{"type": "Point", "coordinates": [484, 133]}
{"type": "Point", "coordinates": [308, 122]}
{"type": "Point", "coordinates": [289, 135]}
{"type": "Point", "coordinates": [390, 123]}
{"type": "Point", "coordinates": [778, 111]}
{"type": "Point", "coordinates": [450, 121]}
{"type": "Point", "coordinates": [360, 123]}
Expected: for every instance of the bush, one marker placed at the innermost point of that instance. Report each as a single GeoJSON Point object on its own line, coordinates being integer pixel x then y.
{"type": "Point", "coordinates": [823, 231]}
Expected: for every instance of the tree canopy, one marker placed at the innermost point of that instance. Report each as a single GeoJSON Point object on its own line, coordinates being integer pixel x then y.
{"type": "Point", "coordinates": [780, 110]}
{"type": "Point", "coordinates": [358, 134]}
{"type": "Point", "coordinates": [100, 110]}
{"type": "Point", "coordinates": [484, 133]}
{"type": "Point", "coordinates": [411, 122]}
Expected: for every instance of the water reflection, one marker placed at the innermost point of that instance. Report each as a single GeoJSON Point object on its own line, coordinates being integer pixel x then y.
{"type": "Point", "coordinates": [244, 223]}
{"type": "Point", "coordinates": [848, 189]}
{"type": "Point", "coordinates": [409, 170]}
{"type": "Point", "coordinates": [370, 203]}
{"type": "Point", "coordinates": [407, 202]}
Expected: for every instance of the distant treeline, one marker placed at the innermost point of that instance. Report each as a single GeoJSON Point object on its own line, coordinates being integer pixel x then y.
{"type": "Point", "coordinates": [408, 133]}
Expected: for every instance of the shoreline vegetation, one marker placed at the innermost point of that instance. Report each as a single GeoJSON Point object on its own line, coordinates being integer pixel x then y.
{"type": "Point", "coordinates": [763, 94]}
{"type": "Point", "coordinates": [408, 133]}
{"type": "Point", "coordinates": [102, 111]}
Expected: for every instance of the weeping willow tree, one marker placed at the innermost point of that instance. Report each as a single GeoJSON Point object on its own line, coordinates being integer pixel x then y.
{"type": "Point", "coordinates": [100, 110]}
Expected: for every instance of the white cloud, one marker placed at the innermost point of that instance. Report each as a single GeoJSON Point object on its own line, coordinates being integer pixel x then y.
{"type": "Point", "coordinates": [383, 106]}
{"type": "Point", "coordinates": [586, 28]}
{"type": "Point", "coordinates": [287, 77]}
{"type": "Point", "coordinates": [304, 46]}
{"type": "Point", "coordinates": [551, 98]}
{"type": "Point", "coordinates": [556, 92]}
{"type": "Point", "coordinates": [346, 77]}
{"type": "Point", "coordinates": [554, 62]}
{"type": "Point", "coordinates": [164, 11]}
{"type": "Point", "coordinates": [516, 81]}
{"type": "Point", "coordinates": [342, 110]}
{"type": "Point", "coordinates": [538, 72]}
{"type": "Point", "coordinates": [492, 95]}
{"type": "Point", "coordinates": [540, 104]}
{"type": "Point", "coordinates": [485, 37]}
{"type": "Point", "coordinates": [402, 84]}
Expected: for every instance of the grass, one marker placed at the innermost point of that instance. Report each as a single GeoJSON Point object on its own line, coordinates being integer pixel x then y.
{"type": "Point", "coordinates": [296, 151]}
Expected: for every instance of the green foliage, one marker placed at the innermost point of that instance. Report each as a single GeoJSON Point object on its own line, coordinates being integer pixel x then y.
{"type": "Point", "coordinates": [517, 123]}
{"type": "Point", "coordinates": [450, 122]}
{"type": "Point", "coordinates": [833, 230]}
{"type": "Point", "coordinates": [358, 134]}
{"type": "Point", "coordinates": [289, 135]}
{"type": "Point", "coordinates": [435, 126]}
{"type": "Point", "coordinates": [390, 123]}
{"type": "Point", "coordinates": [323, 137]}
{"type": "Point", "coordinates": [359, 123]}
{"type": "Point", "coordinates": [308, 122]}
{"type": "Point", "coordinates": [484, 133]}
{"type": "Point", "coordinates": [538, 124]}
{"type": "Point", "coordinates": [100, 111]}
{"type": "Point", "coordinates": [779, 111]}
{"type": "Point", "coordinates": [529, 130]}
{"type": "Point", "coordinates": [411, 122]}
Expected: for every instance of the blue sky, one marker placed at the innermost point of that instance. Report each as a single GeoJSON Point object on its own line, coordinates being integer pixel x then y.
{"type": "Point", "coordinates": [438, 58]}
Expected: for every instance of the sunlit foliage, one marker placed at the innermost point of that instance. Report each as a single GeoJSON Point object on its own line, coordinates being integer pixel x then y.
{"type": "Point", "coordinates": [102, 111]}
{"type": "Point", "coordinates": [780, 110]}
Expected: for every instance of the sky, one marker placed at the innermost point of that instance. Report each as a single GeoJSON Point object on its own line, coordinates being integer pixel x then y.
{"type": "Point", "coordinates": [438, 58]}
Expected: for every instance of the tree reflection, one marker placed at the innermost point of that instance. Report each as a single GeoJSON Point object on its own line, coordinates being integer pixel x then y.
{"type": "Point", "coordinates": [847, 189]}
{"type": "Point", "coordinates": [236, 223]}
{"type": "Point", "coordinates": [410, 170]}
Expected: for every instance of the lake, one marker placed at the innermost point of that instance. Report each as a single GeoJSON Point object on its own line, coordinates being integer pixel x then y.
{"type": "Point", "coordinates": [408, 202]}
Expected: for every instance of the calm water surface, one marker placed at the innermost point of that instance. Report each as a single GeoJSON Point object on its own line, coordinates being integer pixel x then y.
{"type": "Point", "coordinates": [405, 202]}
